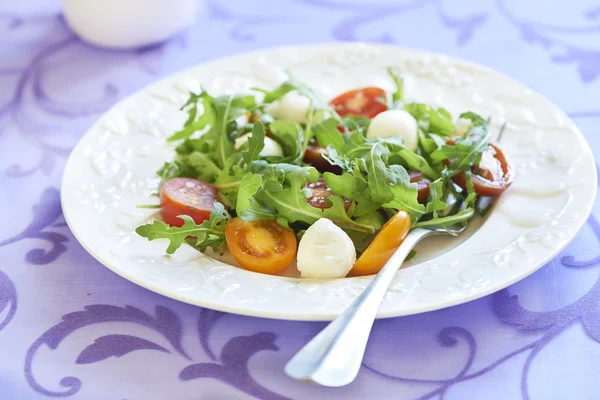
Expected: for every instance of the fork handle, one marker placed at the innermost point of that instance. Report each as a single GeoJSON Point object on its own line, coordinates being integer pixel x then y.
{"type": "Point", "coordinates": [334, 356]}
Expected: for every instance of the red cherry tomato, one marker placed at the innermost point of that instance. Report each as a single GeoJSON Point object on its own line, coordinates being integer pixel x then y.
{"type": "Point", "coordinates": [423, 185]}
{"type": "Point", "coordinates": [493, 176]}
{"type": "Point", "coordinates": [313, 156]}
{"type": "Point", "coordinates": [319, 193]}
{"type": "Point", "coordinates": [368, 101]}
{"type": "Point", "coordinates": [186, 196]}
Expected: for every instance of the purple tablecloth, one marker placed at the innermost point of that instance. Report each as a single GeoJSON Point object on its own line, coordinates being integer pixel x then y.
{"type": "Point", "coordinates": [71, 328]}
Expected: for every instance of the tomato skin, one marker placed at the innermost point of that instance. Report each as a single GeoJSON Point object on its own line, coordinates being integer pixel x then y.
{"type": "Point", "coordinates": [187, 196]}
{"type": "Point", "coordinates": [500, 179]}
{"type": "Point", "coordinates": [261, 246]}
{"type": "Point", "coordinates": [313, 156]}
{"type": "Point", "coordinates": [423, 185]}
{"type": "Point", "coordinates": [368, 102]}
{"type": "Point", "coordinates": [319, 193]}
{"type": "Point", "coordinates": [383, 246]}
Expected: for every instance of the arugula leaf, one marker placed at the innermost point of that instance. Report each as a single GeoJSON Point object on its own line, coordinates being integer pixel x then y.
{"type": "Point", "coordinates": [355, 123]}
{"type": "Point", "coordinates": [289, 202]}
{"type": "Point", "coordinates": [217, 142]}
{"type": "Point", "coordinates": [466, 152]}
{"type": "Point", "coordinates": [328, 135]}
{"type": "Point", "coordinates": [278, 92]}
{"type": "Point", "coordinates": [176, 169]}
{"type": "Point", "coordinates": [398, 95]}
{"type": "Point", "coordinates": [192, 124]}
{"type": "Point", "coordinates": [258, 212]}
{"type": "Point", "coordinates": [448, 222]}
{"type": "Point", "coordinates": [359, 147]}
{"type": "Point", "coordinates": [308, 133]}
{"type": "Point", "coordinates": [249, 185]}
{"type": "Point", "coordinates": [476, 119]}
{"type": "Point", "coordinates": [289, 134]}
{"type": "Point", "coordinates": [405, 193]}
{"type": "Point", "coordinates": [353, 187]}
{"type": "Point", "coordinates": [206, 169]}
{"type": "Point", "coordinates": [256, 143]}
{"type": "Point", "coordinates": [412, 161]}
{"type": "Point", "coordinates": [435, 204]}
{"type": "Point", "coordinates": [301, 88]}
{"type": "Point", "coordinates": [336, 159]}
{"type": "Point", "coordinates": [377, 174]}
{"type": "Point", "coordinates": [431, 120]}
{"type": "Point", "coordinates": [210, 233]}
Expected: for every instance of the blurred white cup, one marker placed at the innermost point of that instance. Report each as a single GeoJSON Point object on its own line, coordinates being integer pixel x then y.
{"type": "Point", "coordinates": [127, 24]}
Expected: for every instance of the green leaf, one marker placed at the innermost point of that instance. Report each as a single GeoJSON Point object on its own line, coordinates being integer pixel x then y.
{"type": "Point", "coordinates": [435, 204]}
{"type": "Point", "coordinates": [194, 124]}
{"type": "Point", "coordinates": [290, 136]}
{"type": "Point", "coordinates": [176, 169]}
{"type": "Point", "coordinates": [431, 120]}
{"type": "Point", "coordinates": [206, 169]}
{"type": "Point", "coordinates": [256, 143]}
{"type": "Point", "coordinates": [289, 202]}
{"type": "Point", "coordinates": [258, 212]}
{"type": "Point", "coordinates": [355, 123]}
{"type": "Point", "coordinates": [217, 142]}
{"type": "Point", "coordinates": [353, 187]}
{"type": "Point", "coordinates": [278, 92]}
{"type": "Point", "coordinates": [405, 194]}
{"type": "Point", "coordinates": [398, 95]}
{"type": "Point", "coordinates": [210, 233]}
{"type": "Point", "coordinates": [466, 152]}
{"type": "Point", "coordinates": [249, 185]}
{"type": "Point", "coordinates": [476, 119]}
{"type": "Point", "coordinates": [301, 88]}
{"type": "Point", "coordinates": [413, 161]}
{"type": "Point", "coordinates": [328, 135]}
{"type": "Point", "coordinates": [377, 174]}
{"type": "Point", "coordinates": [373, 219]}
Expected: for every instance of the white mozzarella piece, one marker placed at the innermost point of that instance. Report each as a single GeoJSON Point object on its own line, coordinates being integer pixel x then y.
{"type": "Point", "coordinates": [272, 148]}
{"type": "Point", "coordinates": [292, 106]}
{"type": "Point", "coordinates": [325, 251]}
{"type": "Point", "coordinates": [395, 123]}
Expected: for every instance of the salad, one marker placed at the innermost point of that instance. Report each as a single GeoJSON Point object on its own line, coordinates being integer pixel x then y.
{"type": "Point", "coordinates": [281, 175]}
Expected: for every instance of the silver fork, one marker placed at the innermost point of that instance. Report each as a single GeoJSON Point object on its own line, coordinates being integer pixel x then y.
{"type": "Point", "coordinates": [334, 356]}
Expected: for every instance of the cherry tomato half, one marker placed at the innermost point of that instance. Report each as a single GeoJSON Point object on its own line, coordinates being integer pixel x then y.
{"type": "Point", "coordinates": [383, 246]}
{"type": "Point", "coordinates": [313, 156]}
{"type": "Point", "coordinates": [260, 246]}
{"type": "Point", "coordinates": [493, 176]}
{"type": "Point", "coordinates": [319, 193]}
{"type": "Point", "coordinates": [368, 101]}
{"type": "Point", "coordinates": [187, 196]}
{"type": "Point", "coordinates": [423, 185]}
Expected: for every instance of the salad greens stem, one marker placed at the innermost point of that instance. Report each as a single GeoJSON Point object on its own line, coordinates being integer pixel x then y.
{"type": "Point", "coordinates": [459, 217]}
{"type": "Point", "coordinates": [149, 206]}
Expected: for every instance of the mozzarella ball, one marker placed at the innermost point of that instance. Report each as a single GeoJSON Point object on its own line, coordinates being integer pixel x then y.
{"type": "Point", "coordinates": [292, 106]}
{"type": "Point", "coordinates": [272, 148]}
{"type": "Point", "coordinates": [325, 251]}
{"type": "Point", "coordinates": [462, 126]}
{"type": "Point", "coordinates": [395, 123]}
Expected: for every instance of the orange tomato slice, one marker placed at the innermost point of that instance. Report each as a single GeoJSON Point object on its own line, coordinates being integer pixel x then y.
{"type": "Point", "coordinates": [383, 246]}
{"type": "Point", "coordinates": [261, 246]}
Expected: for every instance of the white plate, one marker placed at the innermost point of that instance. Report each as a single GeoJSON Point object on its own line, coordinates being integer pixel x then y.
{"type": "Point", "coordinates": [112, 168]}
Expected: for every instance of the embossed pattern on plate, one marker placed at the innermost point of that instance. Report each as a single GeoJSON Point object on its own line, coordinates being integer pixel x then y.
{"type": "Point", "coordinates": [112, 169]}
